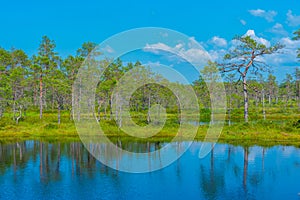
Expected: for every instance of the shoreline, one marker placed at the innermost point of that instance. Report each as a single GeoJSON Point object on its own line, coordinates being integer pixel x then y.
{"type": "Point", "coordinates": [253, 138]}
{"type": "Point", "coordinates": [260, 132]}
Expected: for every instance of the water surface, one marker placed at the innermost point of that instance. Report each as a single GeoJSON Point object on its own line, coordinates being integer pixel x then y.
{"type": "Point", "coordinates": [41, 170]}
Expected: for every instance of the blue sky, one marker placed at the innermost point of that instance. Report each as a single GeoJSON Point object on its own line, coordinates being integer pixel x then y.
{"type": "Point", "coordinates": [212, 23]}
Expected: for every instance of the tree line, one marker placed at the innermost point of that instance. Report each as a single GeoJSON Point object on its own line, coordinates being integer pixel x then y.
{"type": "Point", "coordinates": [45, 81]}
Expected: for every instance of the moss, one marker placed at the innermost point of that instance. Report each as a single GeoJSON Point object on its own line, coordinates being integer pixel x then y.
{"type": "Point", "coordinates": [259, 132]}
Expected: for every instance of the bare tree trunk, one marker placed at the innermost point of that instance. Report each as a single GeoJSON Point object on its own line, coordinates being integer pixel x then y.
{"type": "Point", "coordinates": [58, 114]}
{"type": "Point", "coordinates": [105, 110]}
{"type": "Point", "coordinates": [41, 96]}
{"type": "Point", "coordinates": [14, 109]}
{"type": "Point", "coordinates": [98, 113]}
{"type": "Point", "coordinates": [286, 102]}
{"type": "Point", "coordinates": [120, 115]}
{"type": "Point", "coordinates": [111, 108]}
{"type": "Point", "coordinates": [298, 104]}
{"type": "Point", "coordinates": [245, 99]}
{"type": "Point", "coordinates": [256, 99]}
{"type": "Point", "coordinates": [158, 115]}
{"type": "Point", "coordinates": [73, 104]}
{"type": "Point", "coordinates": [20, 114]}
{"type": "Point", "coordinates": [288, 95]}
{"type": "Point", "coordinates": [14, 105]}
{"type": "Point", "coordinates": [79, 102]}
{"type": "Point", "coordinates": [229, 109]}
{"type": "Point", "coordinates": [229, 116]}
{"type": "Point", "coordinates": [35, 94]}
{"type": "Point", "coordinates": [1, 111]}
{"type": "Point", "coordinates": [263, 103]}
{"type": "Point", "coordinates": [53, 99]}
{"type": "Point", "coordinates": [149, 113]}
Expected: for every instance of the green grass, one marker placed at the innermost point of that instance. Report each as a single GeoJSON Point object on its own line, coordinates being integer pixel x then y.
{"type": "Point", "coordinates": [281, 129]}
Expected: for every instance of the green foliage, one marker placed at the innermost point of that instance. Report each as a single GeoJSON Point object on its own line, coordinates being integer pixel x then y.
{"type": "Point", "coordinates": [297, 37]}
{"type": "Point", "coordinates": [21, 78]}
{"type": "Point", "coordinates": [50, 126]}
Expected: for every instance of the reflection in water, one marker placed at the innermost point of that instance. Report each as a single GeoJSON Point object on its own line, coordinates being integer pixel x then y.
{"type": "Point", "coordinates": [245, 166]}
{"type": "Point", "coordinates": [36, 169]}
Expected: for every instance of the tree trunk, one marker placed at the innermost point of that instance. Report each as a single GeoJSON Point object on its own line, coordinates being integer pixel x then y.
{"type": "Point", "coordinates": [73, 104]}
{"type": "Point", "coordinates": [79, 101]}
{"type": "Point", "coordinates": [20, 114]}
{"type": "Point", "coordinates": [120, 115]}
{"type": "Point", "coordinates": [53, 99]}
{"type": "Point", "coordinates": [111, 108]}
{"type": "Point", "coordinates": [229, 109]}
{"type": "Point", "coordinates": [298, 104]}
{"type": "Point", "coordinates": [263, 103]}
{"type": "Point", "coordinates": [35, 95]}
{"type": "Point", "coordinates": [256, 99]}
{"type": "Point", "coordinates": [245, 99]}
{"type": "Point", "coordinates": [99, 111]}
{"type": "Point", "coordinates": [105, 110]}
{"type": "Point", "coordinates": [229, 116]}
{"type": "Point", "coordinates": [14, 109]}
{"type": "Point", "coordinates": [149, 113]}
{"type": "Point", "coordinates": [58, 114]}
{"type": "Point", "coordinates": [41, 96]}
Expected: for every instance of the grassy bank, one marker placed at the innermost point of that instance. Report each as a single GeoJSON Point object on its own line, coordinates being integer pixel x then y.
{"type": "Point", "coordinates": [260, 132]}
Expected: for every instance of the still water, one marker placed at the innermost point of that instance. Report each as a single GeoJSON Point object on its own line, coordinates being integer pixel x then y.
{"type": "Point", "coordinates": [41, 170]}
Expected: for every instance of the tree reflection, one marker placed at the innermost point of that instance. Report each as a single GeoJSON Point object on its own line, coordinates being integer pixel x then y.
{"type": "Point", "coordinates": [213, 182]}
{"type": "Point", "coordinates": [246, 152]}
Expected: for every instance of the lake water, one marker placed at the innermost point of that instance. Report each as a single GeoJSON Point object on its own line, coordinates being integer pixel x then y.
{"type": "Point", "coordinates": [41, 170]}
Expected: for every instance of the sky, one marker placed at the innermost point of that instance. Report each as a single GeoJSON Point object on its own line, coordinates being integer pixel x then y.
{"type": "Point", "coordinates": [212, 23]}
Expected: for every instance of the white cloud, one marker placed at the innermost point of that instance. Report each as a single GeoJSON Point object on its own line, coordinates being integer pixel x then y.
{"type": "Point", "coordinates": [278, 61]}
{"type": "Point", "coordinates": [217, 54]}
{"type": "Point", "coordinates": [289, 43]}
{"type": "Point", "coordinates": [267, 15]}
{"type": "Point", "coordinates": [243, 22]}
{"type": "Point", "coordinates": [218, 41]}
{"type": "Point", "coordinates": [292, 20]}
{"type": "Point", "coordinates": [107, 49]}
{"type": "Point", "coordinates": [164, 34]}
{"type": "Point", "coordinates": [156, 48]}
{"type": "Point", "coordinates": [153, 64]}
{"type": "Point", "coordinates": [261, 40]}
{"type": "Point", "coordinates": [278, 29]}
{"type": "Point", "coordinates": [288, 54]}
{"type": "Point", "coordinates": [191, 51]}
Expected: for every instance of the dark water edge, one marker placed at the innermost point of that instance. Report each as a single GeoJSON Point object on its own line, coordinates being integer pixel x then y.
{"type": "Point", "coordinates": [65, 170]}
{"type": "Point", "coordinates": [235, 140]}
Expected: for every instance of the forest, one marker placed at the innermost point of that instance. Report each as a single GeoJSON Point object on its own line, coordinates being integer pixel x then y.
{"type": "Point", "coordinates": [38, 89]}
